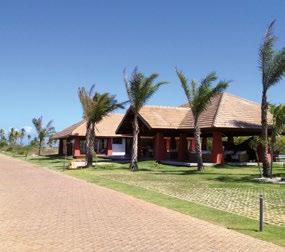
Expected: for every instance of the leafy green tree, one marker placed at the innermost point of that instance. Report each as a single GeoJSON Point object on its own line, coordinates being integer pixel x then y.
{"type": "Point", "coordinates": [199, 96]}
{"type": "Point", "coordinates": [95, 107]}
{"type": "Point", "coordinates": [272, 66]}
{"type": "Point", "coordinates": [140, 89]}
{"type": "Point", "coordinates": [278, 127]}
{"type": "Point", "coordinates": [43, 132]}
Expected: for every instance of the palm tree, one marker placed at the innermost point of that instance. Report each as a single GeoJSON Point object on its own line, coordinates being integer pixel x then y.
{"type": "Point", "coordinates": [17, 136]}
{"type": "Point", "coordinates": [272, 66]}
{"type": "Point", "coordinates": [278, 127]}
{"type": "Point", "coordinates": [12, 136]}
{"type": "Point", "coordinates": [3, 140]}
{"type": "Point", "coordinates": [95, 107]}
{"type": "Point", "coordinates": [140, 89]}
{"type": "Point", "coordinates": [42, 132]}
{"type": "Point", "coordinates": [2, 135]}
{"type": "Point", "coordinates": [199, 96]}
{"type": "Point", "coordinates": [22, 135]}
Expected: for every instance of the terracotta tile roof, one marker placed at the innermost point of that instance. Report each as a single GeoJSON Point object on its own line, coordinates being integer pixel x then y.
{"type": "Point", "coordinates": [236, 112]}
{"type": "Point", "coordinates": [106, 128]}
{"type": "Point", "coordinates": [225, 111]}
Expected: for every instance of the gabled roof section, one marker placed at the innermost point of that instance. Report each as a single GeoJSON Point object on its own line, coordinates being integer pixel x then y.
{"type": "Point", "coordinates": [106, 128]}
{"type": "Point", "coordinates": [67, 131]}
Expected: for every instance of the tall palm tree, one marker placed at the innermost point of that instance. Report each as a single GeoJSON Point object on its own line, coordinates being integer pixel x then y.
{"type": "Point", "coordinates": [95, 107]}
{"type": "Point", "coordinates": [3, 140]}
{"type": "Point", "coordinates": [17, 136]}
{"type": "Point", "coordinates": [278, 127]}
{"type": "Point", "coordinates": [22, 135]}
{"type": "Point", "coordinates": [272, 66]}
{"type": "Point", "coordinates": [29, 138]}
{"type": "Point", "coordinates": [199, 96]}
{"type": "Point", "coordinates": [2, 135]}
{"type": "Point", "coordinates": [140, 89]}
{"type": "Point", "coordinates": [12, 136]}
{"type": "Point", "coordinates": [43, 133]}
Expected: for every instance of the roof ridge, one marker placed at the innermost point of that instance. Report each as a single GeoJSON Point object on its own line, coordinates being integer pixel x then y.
{"type": "Point", "coordinates": [218, 108]}
{"type": "Point", "coordinates": [78, 125]}
{"type": "Point", "coordinates": [241, 98]}
{"type": "Point", "coordinates": [163, 106]}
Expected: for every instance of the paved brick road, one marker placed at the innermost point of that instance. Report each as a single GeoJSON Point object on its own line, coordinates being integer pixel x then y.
{"type": "Point", "coordinates": [44, 211]}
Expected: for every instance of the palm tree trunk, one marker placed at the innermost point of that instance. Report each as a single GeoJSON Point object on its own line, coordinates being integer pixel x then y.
{"type": "Point", "coordinates": [40, 147]}
{"type": "Point", "coordinates": [134, 159]}
{"type": "Point", "coordinates": [264, 135]}
{"type": "Point", "coordinates": [197, 135]}
{"type": "Point", "coordinates": [90, 135]}
{"type": "Point", "coordinates": [272, 148]}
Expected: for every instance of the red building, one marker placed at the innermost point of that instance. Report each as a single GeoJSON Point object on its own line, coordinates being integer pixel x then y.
{"type": "Point", "coordinates": [166, 133]}
{"type": "Point", "coordinates": [72, 139]}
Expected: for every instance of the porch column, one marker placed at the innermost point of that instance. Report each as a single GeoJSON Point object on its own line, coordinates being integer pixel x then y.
{"type": "Point", "coordinates": [259, 153]}
{"type": "Point", "coordinates": [182, 148]}
{"type": "Point", "coordinates": [140, 150]}
{"type": "Point", "coordinates": [217, 148]}
{"type": "Point", "coordinates": [159, 147]}
{"type": "Point", "coordinates": [109, 146]}
{"type": "Point", "coordinates": [204, 143]}
{"type": "Point", "coordinates": [76, 147]}
{"type": "Point", "coordinates": [192, 147]}
{"type": "Point", "coordinates": [60, 147]}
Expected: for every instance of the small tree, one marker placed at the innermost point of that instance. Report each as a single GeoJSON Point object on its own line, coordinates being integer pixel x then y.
{"type": "Point", "coordinates": [272, 66]}
{"type": "Point", "coordinates": [199, 96]}
{"type": "Point", "coordinates": [95, 107]}
{"type": "Point", "coordinates": [43, 133]}
{"type": "Point", "coordinates": [254, 144]}
{"type": "Point", "coordinates": [278, 127]}
{"type": "Point", "coordinates": [140, 89]}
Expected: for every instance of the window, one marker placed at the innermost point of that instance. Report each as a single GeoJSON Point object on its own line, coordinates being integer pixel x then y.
{"type": "Point", "coordinates": [82, 146]}
{"type": "Point", "coordinates": [117, 140]}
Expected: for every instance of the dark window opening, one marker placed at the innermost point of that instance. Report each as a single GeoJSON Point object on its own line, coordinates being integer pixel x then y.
{"type": "Point", "coordinates": [117, 140]}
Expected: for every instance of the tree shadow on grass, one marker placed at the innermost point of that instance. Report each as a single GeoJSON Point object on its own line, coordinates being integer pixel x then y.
{"type": "Point", "coordinates": [244, 229]}
{"type": "Point", "coordinates": [234, 179]}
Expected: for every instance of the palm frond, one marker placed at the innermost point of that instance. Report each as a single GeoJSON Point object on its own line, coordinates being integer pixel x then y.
{"type": "Point", "coordinates": [185, 86]}
{"type": "Point", "coordinates": [200, 95]}
{"type": "Point", "coordinates": [266, 49]}
{"type": "Point", "coordinates": [95, 105]}
{"type": "Point", "coordinates": [276, 70]}
{"type": "Point", "coordinates": [140, 88]}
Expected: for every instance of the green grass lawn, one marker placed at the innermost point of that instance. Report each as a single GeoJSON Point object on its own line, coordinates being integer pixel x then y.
{"type": "Point", "coordinates": [227, 196]}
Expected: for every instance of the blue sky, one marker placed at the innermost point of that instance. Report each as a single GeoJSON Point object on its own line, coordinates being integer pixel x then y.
{"type": "Point", "coordinates": [50, 48]}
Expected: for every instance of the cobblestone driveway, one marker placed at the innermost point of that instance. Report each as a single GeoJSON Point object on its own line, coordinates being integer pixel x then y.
{"type": "Point", "coordinates": [44, 211]}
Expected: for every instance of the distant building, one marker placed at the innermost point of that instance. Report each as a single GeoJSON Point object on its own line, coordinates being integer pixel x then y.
{"type": "Point", "coordinates": [72, 139]}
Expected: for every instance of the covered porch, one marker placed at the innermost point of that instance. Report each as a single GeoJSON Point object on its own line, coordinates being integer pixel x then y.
{"type": "Point", "coordinates": [218, 147]}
